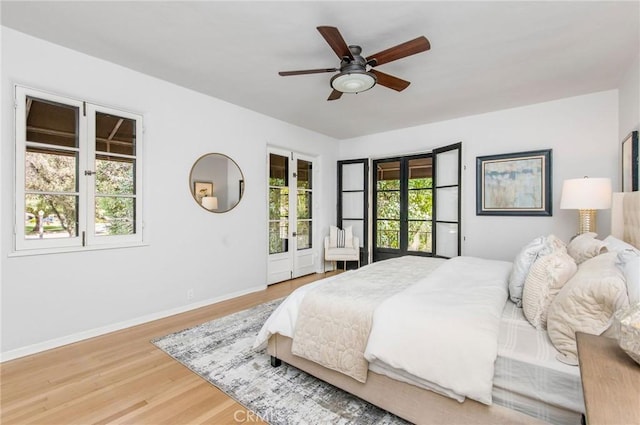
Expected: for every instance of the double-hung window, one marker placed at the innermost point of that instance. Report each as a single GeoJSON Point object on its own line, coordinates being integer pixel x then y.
{"type": "Point", "coordinates": [78, 174]}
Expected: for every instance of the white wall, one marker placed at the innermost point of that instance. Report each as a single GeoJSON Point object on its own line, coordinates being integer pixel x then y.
{"type": "Point", "coordinates": [582, 131]}
{"type": "Point", "coordinates": [52, 299]}
{"type": "Point", "coordinates": [629, 102]}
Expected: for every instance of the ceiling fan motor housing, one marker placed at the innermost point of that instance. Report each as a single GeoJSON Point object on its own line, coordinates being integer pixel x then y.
{"type": "Point", "coordinates": [353, 76]}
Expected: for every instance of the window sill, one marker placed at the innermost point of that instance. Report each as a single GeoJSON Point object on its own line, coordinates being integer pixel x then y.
{"type": "Point", "coordinates": [48, 251]}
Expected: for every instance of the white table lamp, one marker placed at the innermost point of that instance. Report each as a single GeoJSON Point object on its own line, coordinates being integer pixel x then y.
{"type": "Point", "coordinates": [210, 202]}
{"type": "Point", "coordinates": [586, 195]}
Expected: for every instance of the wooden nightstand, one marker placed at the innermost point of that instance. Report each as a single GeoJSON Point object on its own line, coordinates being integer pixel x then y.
{"type": "Point", "coordinates": [610, 381]}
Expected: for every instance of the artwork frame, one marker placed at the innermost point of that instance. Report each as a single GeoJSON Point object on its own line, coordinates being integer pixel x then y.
{"type": "Point", "coordinates": [629, 166]}
{"type": "Point", "coordinates": [514, 184]}
{"type": "Point", "coordinates": [202, 189]}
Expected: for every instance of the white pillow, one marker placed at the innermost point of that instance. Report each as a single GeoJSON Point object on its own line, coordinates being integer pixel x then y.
{"type": "Point", "coordinates": [546, 278]}
{"type": "Point", "coordinates": [614, 244]}
{"type": "Point", "coordinates": [586, 303]}
{"type": "Point", "coordinates": [333, 236]}
{"type": "Point", "coordinates": [521, 266]}
{"type": "Point", "coordinates": [631, 269]}
{"type": "Point", "coordinates": [348, 236]}
{"type": "Point", "coordinates": [585, 246]}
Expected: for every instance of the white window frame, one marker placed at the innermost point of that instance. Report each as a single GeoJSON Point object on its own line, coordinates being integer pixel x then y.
{"type": "Point", "coordinates": [86, 239]}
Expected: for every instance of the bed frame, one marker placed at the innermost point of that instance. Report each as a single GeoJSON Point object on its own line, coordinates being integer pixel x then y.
{"type": "Point", "coordinates": [422, 406]}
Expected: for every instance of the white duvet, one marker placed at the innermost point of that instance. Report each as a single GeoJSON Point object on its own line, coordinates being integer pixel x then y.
{"type": "Point", "coordinates": [443, 329]}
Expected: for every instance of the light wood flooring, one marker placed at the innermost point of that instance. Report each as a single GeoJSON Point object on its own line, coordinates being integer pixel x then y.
{"type": "Point", "coordinates": [121, 378]}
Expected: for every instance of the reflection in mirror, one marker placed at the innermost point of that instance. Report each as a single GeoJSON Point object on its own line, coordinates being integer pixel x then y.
{"type": "Point", "coordinates": [216, 182]}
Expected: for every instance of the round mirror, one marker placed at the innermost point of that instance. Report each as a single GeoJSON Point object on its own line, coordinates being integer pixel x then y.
{"type": "Point", "coordinates": [216, 182]}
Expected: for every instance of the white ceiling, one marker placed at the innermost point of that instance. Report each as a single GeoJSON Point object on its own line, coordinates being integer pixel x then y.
{"type": "Point", "coordinates": [484, 56]}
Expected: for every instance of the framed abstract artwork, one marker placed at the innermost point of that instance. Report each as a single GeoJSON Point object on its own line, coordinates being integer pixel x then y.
{"type": "Point", "coordinates": [514, 184]}
{"type": "Point", "coordinates": [630, 169]}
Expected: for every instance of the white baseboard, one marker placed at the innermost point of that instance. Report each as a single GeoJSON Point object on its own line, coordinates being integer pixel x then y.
{"type": "Point", "coordinates": [91, 333]}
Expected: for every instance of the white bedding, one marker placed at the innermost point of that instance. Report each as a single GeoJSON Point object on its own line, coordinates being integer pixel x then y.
{"type": "Point", "coordinates": [529, 378]}
{"type": "Point", "coordinates": [455, 313]}
{"type": "Point", "coordinates": [334, 320]}
{"type": "Point", "coordinates": [444, 329]}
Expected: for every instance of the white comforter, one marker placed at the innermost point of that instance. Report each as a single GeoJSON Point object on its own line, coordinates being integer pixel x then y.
{"type": "Point", "coordinates": [450, 322]}
{"type": "Point", "coordinates": [443, 329]}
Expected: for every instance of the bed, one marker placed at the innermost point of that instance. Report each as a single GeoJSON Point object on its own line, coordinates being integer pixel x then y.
{"type": "Point", "coordinates": [528, 384]}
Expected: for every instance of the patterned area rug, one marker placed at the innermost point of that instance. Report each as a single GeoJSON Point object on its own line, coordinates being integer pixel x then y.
{"type": "Point", "coordinates": [221, 352]}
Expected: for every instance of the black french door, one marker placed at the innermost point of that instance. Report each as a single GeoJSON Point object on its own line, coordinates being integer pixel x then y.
{"type": "Point", "coordinates": [416, 204]}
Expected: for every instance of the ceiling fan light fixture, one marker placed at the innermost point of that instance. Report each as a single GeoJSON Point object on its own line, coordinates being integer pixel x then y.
{"type": "Point", "coordinates": [353, 82]}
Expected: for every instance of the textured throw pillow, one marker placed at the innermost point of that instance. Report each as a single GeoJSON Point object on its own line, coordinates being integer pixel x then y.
{"type": "Point", "coordinates": [547, 276]}
{"type": "Point", "coordinates": [340, 238]}
{"type": "Point", "coordinates": [586, 303]}
{"type": "Point", "coordinates": [521, 266]}
{"type": "Point", "coordinates": [585, 246]}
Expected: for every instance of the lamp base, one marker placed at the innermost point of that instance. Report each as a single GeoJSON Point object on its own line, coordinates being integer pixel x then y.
{"type": "Point", "coordinates": [587, 221]}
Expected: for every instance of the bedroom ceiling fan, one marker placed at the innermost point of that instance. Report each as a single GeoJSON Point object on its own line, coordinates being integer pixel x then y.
{"type": "Point", "coordinates": [356, 71]}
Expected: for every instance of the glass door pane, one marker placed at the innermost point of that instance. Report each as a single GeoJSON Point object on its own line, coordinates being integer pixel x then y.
{"type": "Point", "coordinates": [304, 205]}
{"type": "Point", "coordinates": [278, 204]}
{"type": "Point", "coordinates": [420, 204]}
{"type": "Point", "coordinates": [388, 204]}
{"type": "Point", "coordinates": [447, 198]}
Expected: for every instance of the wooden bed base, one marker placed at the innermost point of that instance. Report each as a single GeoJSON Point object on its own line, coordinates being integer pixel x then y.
{"type": "Point", "coordinates": [412, 403]}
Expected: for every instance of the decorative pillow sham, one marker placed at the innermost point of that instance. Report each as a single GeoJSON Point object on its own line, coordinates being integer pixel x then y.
{"type": "Point", "coordinates": [524, 260]}
{"type": "Point", "coordinates": [614, 244]}
{"type": "Point", "coordinates": [546, 278]}
{"type": "Point", "coordinates": [340, 238]}
{"type": "Point", "coordinates": [631, 269]}
{"type": "Point", "coordinates": [586, 303]}
{"type": "Point", "coordinates": [585, 246]}
{"type": "Point", "coordinates": [521, 266]}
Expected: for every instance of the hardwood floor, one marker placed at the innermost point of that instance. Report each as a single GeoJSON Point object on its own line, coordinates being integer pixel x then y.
{"type": "Point", "coordinates": [121, 378]}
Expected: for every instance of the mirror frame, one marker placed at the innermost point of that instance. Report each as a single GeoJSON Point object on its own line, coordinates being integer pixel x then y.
{"type": "Point", "coordinates": [191, 182]}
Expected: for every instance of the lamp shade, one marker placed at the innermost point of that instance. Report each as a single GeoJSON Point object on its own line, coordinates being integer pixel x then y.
{"type": "Point", "coordinates": [586, 194]}
{"type": "Point", "coordinates": [210, 202]}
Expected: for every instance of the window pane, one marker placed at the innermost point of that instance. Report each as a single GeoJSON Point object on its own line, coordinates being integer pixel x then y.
{"type": "Point", "coordinates": [353, 204]}
{"type": "Point", "coordinates": [303, 233]}
{"type": "Point", "coordinates": [49, 170]}
{"type": "Point", "coordinates": [419, 236]}
{"type": "Point", "coordinates": [447, 208]}
{"type": "Point", "coordinates": [115, 215]}
{"type": "Point", "coordinates": [447, 240]}
{"type": "Point", "coordinates": [388, 175]}
{"type": "Point", "coordinates": [115, 134]}
{"type": "Point", "coordinates": [448, 167]}
{"type": "Point", "coordinates": [278, 170]}
{"type": "Point", "coordinates": [420, 173]}
{"type": "Point", "coordinates": [278, 203]}
{"type": "Point", "coordinates": [115, 176]}
{"type": "Point", "coordinates": [304, 204]}
{"type": "Point", "coordinates": [305, 174]}
{"type": "Point", "coordinates": [388, 234]}
{"type": "Point", "coordinates": [278, 237]}
{"type": "Point", "coordinates": [388, 205]}
{"type": "Point", "coordinates": [51, 123]}
{"type": "Point", "coordinates": [50, 216]}
{"type": "Point", "coordinates": [353, 176]}
{"type": "Point", "coordinates": [420, 204]}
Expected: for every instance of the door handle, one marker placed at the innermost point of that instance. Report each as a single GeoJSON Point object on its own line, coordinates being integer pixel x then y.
{"type": "Point", "coordinates": [294, 234]}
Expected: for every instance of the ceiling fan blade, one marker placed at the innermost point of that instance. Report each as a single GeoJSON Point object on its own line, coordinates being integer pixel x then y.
{"type": "Point", "coordinates": [417, 45]}
{"type": "Point", "coordinates": [335, 95]}
{"type": "Point", "coordinates": [390, 81]}
{"type": "Point", "coordinates": [335, 40]}
{"type": "Point", "coordinates": [307, 71]}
